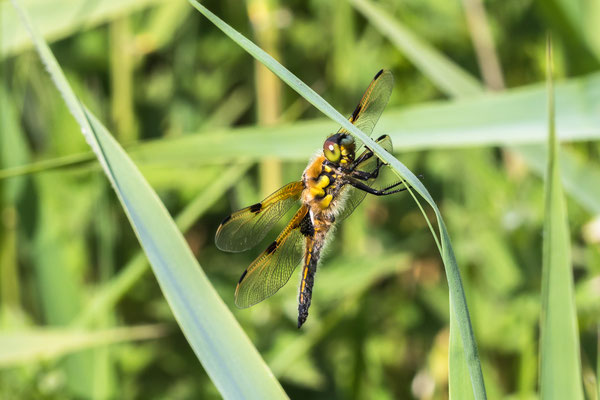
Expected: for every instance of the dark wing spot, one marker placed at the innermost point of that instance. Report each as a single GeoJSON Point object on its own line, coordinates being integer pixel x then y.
{"type": "Point", "coordinates": [243, 276]}
{"type": "Point", "coordinates": [355, 113]}
{"type": "Point", "coordinates": [380, 138]}
{"type": "Point", "coordinates": [379, 73]}
{"type": "Point", "coordinates": [255, 208]}
{"type": "Point", "coordinates": [272, 247]}
{"type": "Point", "coordinates": [226, 220]}
{"type": "Point", "coordinates": [306, 226]}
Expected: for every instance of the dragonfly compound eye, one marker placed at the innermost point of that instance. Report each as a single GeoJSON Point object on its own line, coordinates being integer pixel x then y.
{"type": "Point", "coordinates": [332, 151]}
{"type": "Point", "coordinates": [347, 145]}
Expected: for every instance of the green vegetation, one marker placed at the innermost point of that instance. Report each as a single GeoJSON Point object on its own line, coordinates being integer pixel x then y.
{"type": "Point", "coordinates": [211, 130]}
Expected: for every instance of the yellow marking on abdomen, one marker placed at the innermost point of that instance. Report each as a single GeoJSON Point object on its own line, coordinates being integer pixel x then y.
{"type": "Point", "coordinates": [304, 277]}
{"type": "Point", "coordinates": [303, 285]}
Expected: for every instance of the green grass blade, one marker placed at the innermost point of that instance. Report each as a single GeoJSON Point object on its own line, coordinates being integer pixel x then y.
{"type": "Point", "coordinates": [457, 297]}
{"type": "Point", "coordinates": [220, 344]}
{"type": "Point", "coordinates": [560, 366]}
{"type": "Point", "coordinates": [459, 383]}
{"type": "Point", "coordinates": [445, 74]}
{"type": "Point", "coordinates": [47, 165]}
{"type": "Point", "coordinates": [21, 347]}
{"type": "Point", "coordinates": [13, 151]}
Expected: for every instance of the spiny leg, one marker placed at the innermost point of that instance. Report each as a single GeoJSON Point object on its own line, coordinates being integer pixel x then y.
{"type": "Point", "coordinates": [365, 176]}
{"type": "Point", "coordinates": [369, 153]}
{"type": "Point", "coordinates": [384, 192]}
{"type": "Point", "coordinates": [420, 176]}
{"type": "Point", "coordinates": [363, 157]}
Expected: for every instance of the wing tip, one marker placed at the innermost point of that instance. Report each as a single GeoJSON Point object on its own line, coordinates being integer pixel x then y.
{"type": "Point", "coordinates": [386, 72]}
{"type": "Point", "coordinates": [218, 232]}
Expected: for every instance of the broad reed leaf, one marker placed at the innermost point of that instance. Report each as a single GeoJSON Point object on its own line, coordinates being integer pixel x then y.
{"type": "Point", "coordinates": [457, 295]}
{"type": "Point", "coordinates": [225, 351]}
{"type": "Point", "coordinates": [510, 117]}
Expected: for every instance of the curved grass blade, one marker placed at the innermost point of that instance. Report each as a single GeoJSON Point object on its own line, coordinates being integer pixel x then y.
{"type": "Point", "coordinates": [560, 366]}
{"type": "Point", "coordinates": [225, 351]}
{"type": "Point", "coordinates": [457, 295]}
{"type": "Point", "coordinates": [112, 291]}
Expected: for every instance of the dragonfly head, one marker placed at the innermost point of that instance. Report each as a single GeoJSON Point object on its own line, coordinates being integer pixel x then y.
{"type": "Point", "coordinates": [339, 149]}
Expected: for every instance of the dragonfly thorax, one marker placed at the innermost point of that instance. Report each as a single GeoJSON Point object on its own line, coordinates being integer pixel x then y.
{"type": "Point", "coordinates": [339, 149]}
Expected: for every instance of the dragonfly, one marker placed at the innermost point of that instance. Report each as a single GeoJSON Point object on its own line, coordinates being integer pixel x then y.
{"type": "Point", "coordinates": [333, 184]}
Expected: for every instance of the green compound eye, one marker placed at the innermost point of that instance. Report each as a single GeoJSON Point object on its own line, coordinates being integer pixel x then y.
{"type": "Point", "coordinates": [347, 145]}
{"type": "Point", "coordinates": [332, 152]}
{"type": "Point", "coordinates": [347, 141]}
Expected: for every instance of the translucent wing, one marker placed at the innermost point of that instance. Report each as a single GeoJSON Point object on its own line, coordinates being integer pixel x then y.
{"type": "Point", "coordinates": [353, 195]}
{"type": "Point", "coordinates": [243, 229]}
{"type": "Point", "coordinates": [367, 112]}
{"type": "Point", "coordinates": [273, 268]}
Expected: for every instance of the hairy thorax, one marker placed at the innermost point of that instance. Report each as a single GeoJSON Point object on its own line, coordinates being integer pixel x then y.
{"type": "Point", "coordinates": [322, 191]}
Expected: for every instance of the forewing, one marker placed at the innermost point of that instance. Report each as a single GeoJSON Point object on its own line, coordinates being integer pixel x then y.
{"type": "Point", "coordinates": [367, 112]}
{"type": "Point", "coordinates": [243, 229]}
{"type": "Point", "coordinates": [355, 196]}
{"type": "Point", "coordinates": [274, 267]}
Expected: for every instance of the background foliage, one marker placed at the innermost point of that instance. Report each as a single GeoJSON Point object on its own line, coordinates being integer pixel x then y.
{"type": "Point", "coordinates": [378, 325]}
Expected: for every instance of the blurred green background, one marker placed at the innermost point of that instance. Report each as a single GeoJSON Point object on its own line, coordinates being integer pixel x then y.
{"type": "Point", "coordinates": [212, 132]}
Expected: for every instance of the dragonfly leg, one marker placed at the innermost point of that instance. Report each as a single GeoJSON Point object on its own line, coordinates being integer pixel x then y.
{"type": "Point", "coordinates": [369, 153]}
{"type": "Point", "coordinates": [362, 175]}
{"type": "Point", "coordinates": [363, 157]}
{"type": "Point", "coordinates": [393, 185]}
{"type": "Point", "coordinates": [384, 192]}
{"type": "Point", "coordinates": [365, 176]}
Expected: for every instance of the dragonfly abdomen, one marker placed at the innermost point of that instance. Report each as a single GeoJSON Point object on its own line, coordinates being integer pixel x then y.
{"type": "Point", "coordinates": [312, 254]}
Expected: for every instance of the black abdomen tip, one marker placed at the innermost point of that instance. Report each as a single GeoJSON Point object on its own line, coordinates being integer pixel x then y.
{"type": "Point", "coordinates": [302, 314]}
{"type": "Point", "coordinates": [301, 320]}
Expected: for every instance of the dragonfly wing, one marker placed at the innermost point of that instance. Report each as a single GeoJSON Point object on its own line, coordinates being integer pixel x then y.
{"type": "Point", "coordinates": [243, 229]}
{"type": "Point", "coordinates": [369, 109]}
{"type": "Point", "coordinates": [353, 195]}
{"type": "Point", "coordinates": [274, 266]}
